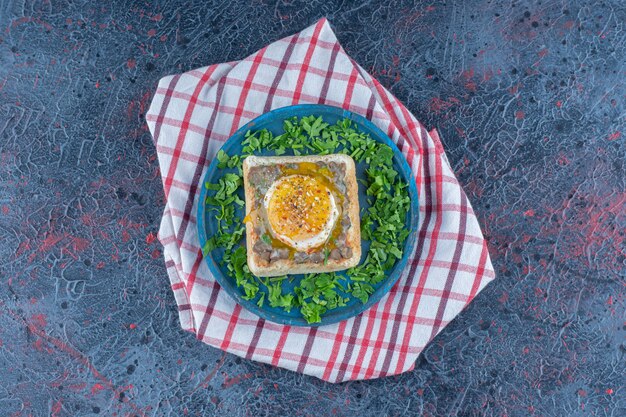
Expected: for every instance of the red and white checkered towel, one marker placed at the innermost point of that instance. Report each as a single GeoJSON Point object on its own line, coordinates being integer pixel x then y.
{"type": "Point", "coordinates": [190, 117]}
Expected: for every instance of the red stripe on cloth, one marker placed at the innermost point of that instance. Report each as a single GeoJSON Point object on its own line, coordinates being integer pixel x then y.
{"type": "Point", "coordinates": [255, 338]}
{"type": "Point", "coordinates": [329, 73]}
{"type": "Point", "coordinates": [178, 276]}
{"type": "Point", "coordinates": [376, 316]}
{"type": "Point", "coordinates": [365, 344]}
{"type": "Point", "coordinates": [379, 341]}
{"type": "Point", "coordinates": [191, 247]}
{"type": "Point", "coordinates": [169, 91]}
{"type": "Point", "coordinates": [194, 272]}
{"type": "Point", "coordinates": [468, 238]}
{"type": "Point", "coordinates": [461, 267]}
{"type": "Point", "coordinates": [452, 236]}
{"type": "Point", "coordinates": [241, 104]}
{"type": "Point", "coordinates": [433, 292]}
{"type": "Point", "coordinates": [456, 257]}
{"type": "Point", "coordinates": [352, 342]}
{"type": "Point", "coordinates": [280, 345]}
{"type": "Point", "coordinates": [200, 129]}
{"type": "Point", "coordinates": [183, 130]}
{"type": "Point", "coordinates": [272, 328]}
{"type": "Point", "coordinates": [196, 159]}
{"type": "Point", "coordinates": [370, 108]}
{"type": "Point", "coordinates": [433, 245]}
{"type": "Point", "coordinates": [251, 115]}
{"type": "Point", "coordinates": [306, 39]}
{"type": "Point", "coordinates": [174, 212]}
{"type": "Point", "coordinates": [208, 312]}
{"type": "Point", "coordinates": [404, 318]}
{"type": "Point", "coordinates": [330, 365]}
{"type": "Point", "coordinates": [198, 71]}
{"type": "Point", "coordinates": [307, 349]}
{"type": "Point", "coordinates": [195, 179]}
{"type": "Point", "coordinates": [282, 64]}
{"type": "Point", "coordinates": [338, 76]}
{"type": "Point", "coordinates": [480, 273]}
{"type": "Point", "coordinates": [262, 351]}
{"type": "Point", "coordinates": [350, 89]}
{"type": "Point", "coordinates": [180, 185]}
{"type": "Point", "coordinates": [183, 96]}
{"type": "Point", "coordinates": [305, 64]}
{"type": "Point", "coordinates": [231, 327]}
{"type": "Point", "coordinates": [177, 123]}
{"type": "Point", "coordinates": [446, 207]}
{"type": "Point", "coordinates": [206, 283]}
{"type": "Point", "coordinates": [334, 76]}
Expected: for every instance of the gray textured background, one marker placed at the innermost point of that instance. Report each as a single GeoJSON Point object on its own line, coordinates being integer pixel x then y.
{"type": "Point", "coordinates": [529, 98]}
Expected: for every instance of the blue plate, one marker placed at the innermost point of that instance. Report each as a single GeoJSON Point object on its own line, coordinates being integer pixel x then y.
{"type": "Point", "coordinates": [273, 121]}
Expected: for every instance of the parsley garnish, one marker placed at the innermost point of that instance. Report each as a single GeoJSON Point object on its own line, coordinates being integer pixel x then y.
{"type": "Point", "coordinates": [383, 224]}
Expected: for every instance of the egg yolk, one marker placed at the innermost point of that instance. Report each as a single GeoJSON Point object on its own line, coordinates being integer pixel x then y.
{"type": "Point", "coordinates": [300, 207]}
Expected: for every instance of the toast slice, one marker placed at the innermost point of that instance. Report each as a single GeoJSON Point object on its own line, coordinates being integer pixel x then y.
{"type": "Point", "coordinates": [267, 255]}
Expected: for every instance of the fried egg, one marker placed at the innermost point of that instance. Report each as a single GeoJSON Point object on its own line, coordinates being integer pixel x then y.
{"type": "Point", "coordinates": [301, 211]}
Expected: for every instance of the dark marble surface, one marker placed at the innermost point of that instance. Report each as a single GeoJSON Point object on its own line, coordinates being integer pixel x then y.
{"type": "Point", "coordinates": [530, 101]}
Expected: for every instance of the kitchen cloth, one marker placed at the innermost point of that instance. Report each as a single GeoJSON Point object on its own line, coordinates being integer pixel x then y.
{"type": "Point", "coordinates": [190, 117]}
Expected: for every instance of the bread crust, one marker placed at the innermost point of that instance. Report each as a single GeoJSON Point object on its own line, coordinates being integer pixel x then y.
{"type": "Point", "coordinates": [262, 268]}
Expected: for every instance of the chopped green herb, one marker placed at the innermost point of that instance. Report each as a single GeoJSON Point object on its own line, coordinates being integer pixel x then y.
{"type": "Point", "coordinates": [362, 291]}
{"type": "Point", "coordinates": [223, 159]}
{"type": "Point", "coordinates": [261, 299]}
{"type": "Point", "coordinates": [277, 299]}
{"type": "Point", "coordinates": [209, 246]}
